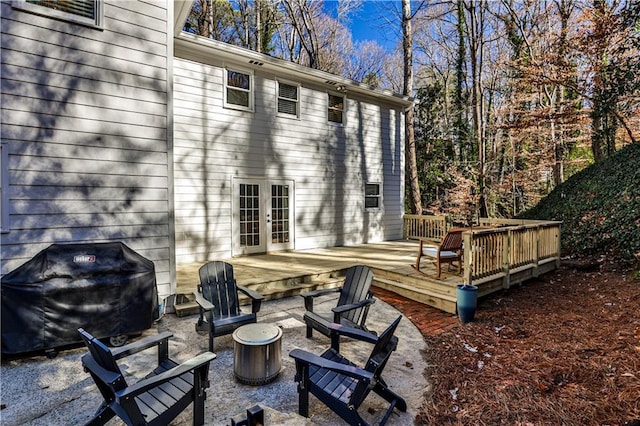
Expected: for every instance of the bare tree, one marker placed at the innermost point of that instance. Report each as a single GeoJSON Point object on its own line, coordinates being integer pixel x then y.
{"type": "Point", "coordinates": [476, 10]}
{"type": "Point", "coordinates": [304, 16]}
{"type": "Point", "coordinates": [365, 63]}
{"type": "Point", "coordinates": [310, 37]}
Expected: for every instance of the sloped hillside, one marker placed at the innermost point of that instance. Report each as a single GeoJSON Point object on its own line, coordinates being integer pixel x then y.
{"type": "Point", "coordinates": [599, 208]}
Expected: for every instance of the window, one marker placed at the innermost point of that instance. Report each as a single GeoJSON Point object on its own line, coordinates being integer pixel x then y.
{"type": "Point", "coordinates": [4, 188]}
{"type": "Point", "coordinates": [238, 90]}
{"type": "Point", "coordinates": [372, 196]}
{"type": "Point", "coordinates": [336, 109]}
{"type": "Point", "coordinates": [86, 12]}
{"type": "Point", "coordinates": [288, 99]}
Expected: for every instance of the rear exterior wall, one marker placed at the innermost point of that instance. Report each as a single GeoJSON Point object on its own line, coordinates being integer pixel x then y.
{"type": "Point", "coordinates": [329, 164]}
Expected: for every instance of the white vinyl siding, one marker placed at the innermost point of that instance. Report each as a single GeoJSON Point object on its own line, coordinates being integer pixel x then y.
{"type": "Point", "coordinates": [85, 12]}
{"type": "Point", "coordinates": [329, 165]}
{"type": "Point", "coordinates": [86, 127]}
{"type": "Point", "coordinates": [4, 189]}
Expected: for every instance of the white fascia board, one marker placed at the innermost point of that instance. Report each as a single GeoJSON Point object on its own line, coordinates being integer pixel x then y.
{"type": "Point", "coordinates": [181, 9]}
{"type": "Point", "coordinates": [209, 48]}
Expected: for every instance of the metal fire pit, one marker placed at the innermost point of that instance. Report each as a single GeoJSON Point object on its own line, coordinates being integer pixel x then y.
{"type": "Point", "coordinates": [257, 353]}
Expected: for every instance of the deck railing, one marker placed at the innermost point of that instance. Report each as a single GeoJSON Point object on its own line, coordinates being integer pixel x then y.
{"type": "Point", "coordinates": [510, 251]}
{"type": "Point", "coordinates": [417, 226]}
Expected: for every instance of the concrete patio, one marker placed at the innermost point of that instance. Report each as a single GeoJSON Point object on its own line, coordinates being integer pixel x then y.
{"type": "Point", "coordinates": [39, 391]}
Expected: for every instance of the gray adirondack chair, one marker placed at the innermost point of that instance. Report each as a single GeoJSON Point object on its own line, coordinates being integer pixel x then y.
{"type": "Point", "coordinates": [339, 383]}
{"type": "Point", "coordinates": [218, 303]}
{"type": "Point", "coordinates": [158, 398]}
{"type": "Point", "coordinates": [352, 307]}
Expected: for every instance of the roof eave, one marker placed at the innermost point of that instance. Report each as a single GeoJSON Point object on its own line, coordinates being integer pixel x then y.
{"type": "Point", "coordinates": [228, 52]}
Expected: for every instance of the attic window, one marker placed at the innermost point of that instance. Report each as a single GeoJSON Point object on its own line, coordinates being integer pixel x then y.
{"type": "Point", "coordinates": [238, 90]}
{"type": "Point", "coordinates": [288, 99]}
{"type": "Point", "coordinates": [85, 12]}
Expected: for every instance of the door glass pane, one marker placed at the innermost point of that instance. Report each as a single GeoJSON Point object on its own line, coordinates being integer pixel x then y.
{"type": "Point", "coordinates": [249, 215]}
{"type": "Point", "coordinates": [279, 214]}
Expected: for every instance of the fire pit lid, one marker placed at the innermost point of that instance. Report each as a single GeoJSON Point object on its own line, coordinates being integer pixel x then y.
{"type": "Point", "coordinates": [257, 334]}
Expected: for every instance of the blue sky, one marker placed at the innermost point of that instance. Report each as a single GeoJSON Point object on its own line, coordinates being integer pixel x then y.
{"type": "Point", "coordinates": [368, 23]}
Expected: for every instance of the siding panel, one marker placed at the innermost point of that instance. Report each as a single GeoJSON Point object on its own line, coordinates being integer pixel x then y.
{"type": "Point", "coordinates": [35, 126]}
{"type": "Point", "coordinates": [16, 74]}
{"type": "Point", "coordinates": [80, 111]}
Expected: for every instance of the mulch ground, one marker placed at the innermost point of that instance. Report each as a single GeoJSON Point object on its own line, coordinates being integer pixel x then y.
{"type": "Point", "coordinates": [563, 349]}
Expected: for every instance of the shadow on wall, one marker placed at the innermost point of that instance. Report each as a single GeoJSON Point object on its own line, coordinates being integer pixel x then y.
{"type": "Point", "coordinates": [84, 120]}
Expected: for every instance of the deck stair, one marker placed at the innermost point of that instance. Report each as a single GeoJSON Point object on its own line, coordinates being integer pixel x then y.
{"type": "Point", "coordinates": [271, 290]}
{"type": "Point", "coordinates": [439, 294]}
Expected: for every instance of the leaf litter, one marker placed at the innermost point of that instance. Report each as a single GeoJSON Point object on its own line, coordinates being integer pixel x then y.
{"type": "Point", "coordinates": [545, 352]}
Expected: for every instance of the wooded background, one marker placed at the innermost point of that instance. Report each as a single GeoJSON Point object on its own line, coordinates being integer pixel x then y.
{"type": "Point", "coordinates": [512, 97]}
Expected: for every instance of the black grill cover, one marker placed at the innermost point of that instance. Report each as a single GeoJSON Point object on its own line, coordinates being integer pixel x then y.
{"type": "Point", "coordinates": [106, 288]}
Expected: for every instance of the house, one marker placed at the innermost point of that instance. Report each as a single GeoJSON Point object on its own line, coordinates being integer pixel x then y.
{"type": "Point", "coordinates": [272, 156]}
{"type": "Point", "coordinates": [118, 127]}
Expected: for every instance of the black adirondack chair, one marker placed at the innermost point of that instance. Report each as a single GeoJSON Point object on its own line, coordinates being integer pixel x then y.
{"type": "Point", "coordinates": [158, 398]}
{"type": "Point", "coordinates": [352, 307]}
{"type": "Point", "coordinates": [342, 385]}
{"type": "Point", "coordinates": [217, 299]}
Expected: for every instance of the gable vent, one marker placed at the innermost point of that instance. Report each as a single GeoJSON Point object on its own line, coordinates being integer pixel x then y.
{"type": "Point", "coordinates": [256, 63]}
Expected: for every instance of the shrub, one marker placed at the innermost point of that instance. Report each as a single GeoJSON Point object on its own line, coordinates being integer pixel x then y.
{"type": "Point", "coordinates": [599, 208]}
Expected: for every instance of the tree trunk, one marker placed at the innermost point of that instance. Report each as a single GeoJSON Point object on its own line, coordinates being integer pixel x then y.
{"type": "Point", "coordinates": [410, 143]}
{"type": "Point", "coordinates": [259, 33]}
{"type": "Point", "coordinates": [204, 19]}
{"type": "Point", "coordinates": [603, 120]}
{"type": "Point", "coordinates": [476, 42]}
{"type": "Point", "coordinates": [564, 10]}
{"type": "Point", "coordinates": [459, 103]}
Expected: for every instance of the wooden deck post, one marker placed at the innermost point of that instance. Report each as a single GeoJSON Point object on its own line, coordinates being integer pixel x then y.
{"type": "Point", "coordinates": [468, 257]}
{"type": "Point", "coordinates": [558, 235]}
{"type": "Point", "coordinates": [536, 259]}
{"type": "Point", "coordinates": [506, 256]}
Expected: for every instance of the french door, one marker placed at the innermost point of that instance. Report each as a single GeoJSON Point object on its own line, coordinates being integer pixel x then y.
{"type": "Point", "coordinates": [262, 216]}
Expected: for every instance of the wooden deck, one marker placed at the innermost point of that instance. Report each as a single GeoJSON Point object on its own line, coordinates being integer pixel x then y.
{"type": "Point", "coordinates": [290, 273]}
{"type": "Point", "coordinates": [494, 259]}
